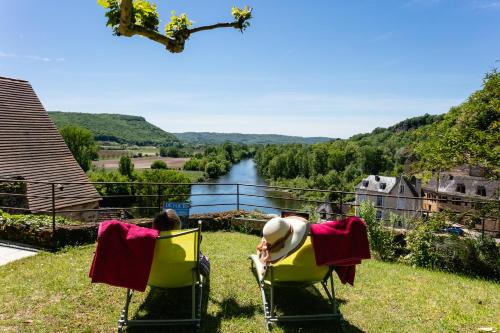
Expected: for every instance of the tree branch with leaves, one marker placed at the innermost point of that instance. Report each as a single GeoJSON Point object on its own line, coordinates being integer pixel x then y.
{"type": "Point", "coordinates": [139, 17]}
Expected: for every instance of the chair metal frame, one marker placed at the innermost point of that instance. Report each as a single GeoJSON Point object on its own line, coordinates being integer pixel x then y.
{"type": "Point", "coordinates": [196, 292]}
{"type": "Point", "coordinates": [268, 305]}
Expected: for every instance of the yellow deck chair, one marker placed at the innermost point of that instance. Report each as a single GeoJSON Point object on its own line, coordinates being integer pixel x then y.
{"type": "Point", "coordinates": [175, 265]}
{"type": "Point", "coordinates": [297, 270]}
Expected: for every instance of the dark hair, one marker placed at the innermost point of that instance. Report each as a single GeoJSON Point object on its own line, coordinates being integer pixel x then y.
{"type": "Point", "coordinates": [167, 220]}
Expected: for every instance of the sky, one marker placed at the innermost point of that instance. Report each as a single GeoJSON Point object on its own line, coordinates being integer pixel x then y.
{"type": "Point", "coordinates": [309, 68]}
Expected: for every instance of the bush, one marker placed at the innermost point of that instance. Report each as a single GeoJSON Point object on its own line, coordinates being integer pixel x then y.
{"type": "Point", "coordinates": [158, 165]}
{"type": "Point", "coordinates": [213, 169]}
{"type": "Point", "coordinates": [170, 152]}
{"type": "Point", "coordinates": [127, 190]}
{"type": "Point", "coordinates": [194, 164]}
{"type": "Point", "coordinates": [33, 221]}
{"type": "Point", "coordinates": [381, 240]}
{"type": "Point", "coordinates": [429, 247]}
{"type": "Point", "coordinates": [126, 167]}
{"type": "Point", "coordinates": [147, 195]}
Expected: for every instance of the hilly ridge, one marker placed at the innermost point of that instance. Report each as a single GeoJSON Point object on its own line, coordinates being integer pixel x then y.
{"type": "Point", "coordinates": [220, 138]}
{"type": "Point", "coordinates": [118, 128]}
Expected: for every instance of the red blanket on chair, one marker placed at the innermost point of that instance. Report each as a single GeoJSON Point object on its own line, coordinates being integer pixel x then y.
{"type": "Point", "coordinates": [341, 244]}
{"type": "Point", "coordinates": [124, 255]}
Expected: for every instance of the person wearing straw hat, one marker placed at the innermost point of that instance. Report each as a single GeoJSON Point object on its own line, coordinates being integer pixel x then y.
{"type": "Point", "coordinates": [281, 237]}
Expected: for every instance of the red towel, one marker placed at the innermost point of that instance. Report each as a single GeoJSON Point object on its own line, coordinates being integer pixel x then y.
{"type": "Point", "coordinates": [341, 244]}
{"type": "Point", "coordinates": [124, 255]}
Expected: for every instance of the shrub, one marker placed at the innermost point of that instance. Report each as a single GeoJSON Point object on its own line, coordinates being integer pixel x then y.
{"type": "Point", "coordinates": [147, 195]}
{"type": "Point", "coordinates": [158, 165]}
{"type": "Point", "coordinates": [33, 221]}
{"type": "Point", "coordinates": [429, 247]}
{"type": "Point", "coordinates": [126, 167]}
{"type": "Point", "coordinates": [194, 164]}
{"type": "Point", "coordinates": [213, 169]}
{"type": "Point", "coordinates": [127, 190]}
{"type": "Point", "coordinates": [381, 240]}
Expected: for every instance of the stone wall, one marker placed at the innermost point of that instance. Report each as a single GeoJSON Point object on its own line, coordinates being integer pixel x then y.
{"type": "Point", "coordinates": [85, 212]}
{"type": "Point", "coordinates": [13, 201]}
{"type": "Point", "coordinates": [87, 233]}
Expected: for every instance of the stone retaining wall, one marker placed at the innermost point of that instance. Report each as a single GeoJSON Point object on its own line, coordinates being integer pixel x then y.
{"type": "Point", "coordinates": [71, 235]}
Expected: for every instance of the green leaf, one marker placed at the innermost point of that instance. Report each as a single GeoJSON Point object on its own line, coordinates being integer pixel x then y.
{"type": "Point", "coordinates": [103, 3]}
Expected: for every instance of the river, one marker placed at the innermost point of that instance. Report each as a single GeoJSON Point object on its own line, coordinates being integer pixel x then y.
{"type": "Point", "coordinates": [244, 172]}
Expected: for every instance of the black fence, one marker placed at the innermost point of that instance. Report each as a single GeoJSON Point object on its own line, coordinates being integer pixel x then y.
{"type": "Point", "coordinates": [146, 199]}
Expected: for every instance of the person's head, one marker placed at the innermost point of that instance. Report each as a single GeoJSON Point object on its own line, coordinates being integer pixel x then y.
{"type": "Point", "coordinates": [167, 220]}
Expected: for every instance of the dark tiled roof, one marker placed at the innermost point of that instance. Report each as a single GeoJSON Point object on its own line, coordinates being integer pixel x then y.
{"type": "Point", "coordinates": [31, 147]}
{"type": "Point", "coordinates": [372, 184]}
{"type": "Point", "coordinates": [449, 184]}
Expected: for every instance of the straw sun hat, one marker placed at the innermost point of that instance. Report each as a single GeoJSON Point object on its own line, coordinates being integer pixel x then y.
{"type": "Point", "coordinates": [283, 236]}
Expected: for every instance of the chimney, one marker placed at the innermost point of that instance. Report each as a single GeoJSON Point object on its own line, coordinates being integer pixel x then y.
{"type": "Point", "coordinates": [418, 186]}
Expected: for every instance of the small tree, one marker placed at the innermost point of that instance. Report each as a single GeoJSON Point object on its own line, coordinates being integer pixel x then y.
{"type": "Point", "coordinates": [126, 167]}
{"type": "Point", "coordinates": [158, 165]}
{"type": "Point", "coordinates": [213, 169]}
{"type": "Point", "coordinates": [381, 240]}
{"type": "Point", "coordinates": [81, 143]}
{"type": "Point", "coordinates": [169, 152]}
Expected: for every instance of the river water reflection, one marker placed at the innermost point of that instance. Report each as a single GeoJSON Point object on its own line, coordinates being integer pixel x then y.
{"type": "Point", "coordinates": [244, 172]}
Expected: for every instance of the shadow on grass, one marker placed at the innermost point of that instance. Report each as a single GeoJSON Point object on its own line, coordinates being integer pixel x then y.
{"type": "Point", "coordinates": [308, 301]}
{"type": "Point", "coordinates": [176, 304]}
{"type": "Point", "coordinates": [168, 304]}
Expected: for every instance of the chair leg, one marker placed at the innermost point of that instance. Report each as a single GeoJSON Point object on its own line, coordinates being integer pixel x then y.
{"type": "Point", "coordinates": [124, 315]}
{"type": "Point", "coordinates": [193, 296]}
{"type": "Point", "coordinates": [330, 293]}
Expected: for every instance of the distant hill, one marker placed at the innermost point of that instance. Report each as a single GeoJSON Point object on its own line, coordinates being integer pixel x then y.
{"type": "Point", "coordinates": [115, 127]}
{"type": "Point", "coordinates": [219, 138]}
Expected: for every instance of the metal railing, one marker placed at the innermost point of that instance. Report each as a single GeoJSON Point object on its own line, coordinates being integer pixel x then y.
{"type": "Point", "coordinates": [147, 199]}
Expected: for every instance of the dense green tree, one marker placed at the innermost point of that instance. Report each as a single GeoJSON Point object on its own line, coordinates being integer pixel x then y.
{"type": "Point", "coordinates": [170, 152]}
{"type": "Point", "coordinates": [213, 169]}
{"type": "Point", "coordinates": [158, 164]}
{"type": "Point", "coordinates": [126, 167]}
{"type": "Point", "coordinates": [81, 143]}
{"type": "Point", "coordinates": [468, 134]}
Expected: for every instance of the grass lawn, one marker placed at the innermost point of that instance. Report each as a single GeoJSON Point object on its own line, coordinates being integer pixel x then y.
{"type": "Point", "coordinates": [194, 176]}
{"type": "Point", "coordinates": [52, 293]}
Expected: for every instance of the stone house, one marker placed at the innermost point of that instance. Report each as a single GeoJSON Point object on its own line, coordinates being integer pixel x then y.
{"type": "Point", "coordinates": [390, 194]}
{"type": "Point", "coordinates": [33, 152]}
{"type": "Point", "coordinates": [459, 190]}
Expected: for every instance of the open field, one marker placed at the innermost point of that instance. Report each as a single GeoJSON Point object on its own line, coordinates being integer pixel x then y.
{"type": "Point", "coordinates": [105, 154]}
{"type": "Point", "coordinates": [51, 292]}
{"type": "Point", "coordinates": [143, 162]}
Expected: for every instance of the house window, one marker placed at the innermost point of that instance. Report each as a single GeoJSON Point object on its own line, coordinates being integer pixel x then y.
{"type": "Point", "coordinates": [481, 191]}
{"type": "Point", "coordinates": [379, 214]}
{"type": "Point", "coordinates": [365, 183]}
{"type": "Point", "coordinates": [429, 207]}
{"type": "Point", "coordinates": [383, 186]}
{"type": "Point", "coordinates": [361, 197]}
{"type": "Point", "coordinates": [460, 188]}
{"type": "Point", "coordinates": [455, 201]}
{"type": "Point", "coordinates": [401, 189]}
{"type": "Point", "coordinates": [450, 177]}
{"type": "Point", "coordinates": [380, 200]}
